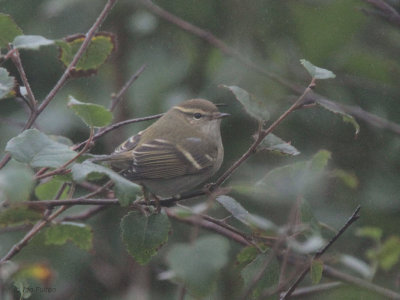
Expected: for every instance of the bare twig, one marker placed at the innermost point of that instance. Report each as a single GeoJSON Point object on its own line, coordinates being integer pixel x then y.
{"type": "Point", "coordinates": [117, 98]}
{"type": "Point", "coordinates": [86, 214]}
{"type": "Point", "coordinates": [338, 275]}
{"type": "Point", "coordinates": [15, 57]}
{"type": "Point", "coordinates": [116, 126]}
{"type": "Point", "coordinates": [354, 217]}
{"type": "Point", "coordinates": [301, 292]}
{"type": "Point", "coordinates": [65, 76]}
{"type": "Point", "coordinates": [208, 225]}
{"type": "Point", "coordinates": [387, 11]}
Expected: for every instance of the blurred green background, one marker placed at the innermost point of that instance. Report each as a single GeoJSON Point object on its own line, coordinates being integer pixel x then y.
{"type": "Point", "coordinates": [362, 50]}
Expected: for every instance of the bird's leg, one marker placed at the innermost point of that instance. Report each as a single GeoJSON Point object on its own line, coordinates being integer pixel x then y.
{"type": "Point", "coordinates": [158, 203]}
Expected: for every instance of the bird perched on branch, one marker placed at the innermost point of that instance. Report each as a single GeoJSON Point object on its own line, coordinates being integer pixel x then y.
{"type": "Point", "coordinates": [178, 152]}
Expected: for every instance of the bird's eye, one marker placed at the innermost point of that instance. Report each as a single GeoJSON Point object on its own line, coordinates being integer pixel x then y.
{"type": "Point", "coordinates": [197, 116]}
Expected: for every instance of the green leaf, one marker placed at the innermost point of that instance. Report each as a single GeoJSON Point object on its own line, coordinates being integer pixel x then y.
{"type": "Point", "coordinates": [389, 253]}
{"type": "Point", "coordinates": [17, 215]}
{"type": "Point", "coordinates": [270, 277]}
{"type": "Point", "coordinates": [49, 189]}
{"type": "Point", "coordinates": [307, 217]}
{"type": "Point", "coordinates": [294, 179]}
{"type": "Point", "coordinates": [125, 190]}
{"type": "Point", "coordinates": [254, 107]}
{"type": "Point", "coordinates": [39, 150]}
{"type": "Point", "coordinates": [7, 84]}
{"type": "Point", "coordinates": [237, 210]}
{"type": "Point", "coordinates": [79, 234]}
{"type": "Point", "coordinates": [317, 267]}
{"type": "Point", "coordinates": [320, 160]}
{"type": "Point", "coordinates": [143, 236]}
{"type": "Point", "coordinates": [349, 179]}
{"type": "Point", "coordinates": [275, 144]}
{"type": "Point", "coordinates": [16, 183]}
{"type": "Point", "coordinates": [8, 30]}
{"type": "Point", "coordinates": [197, 265]}
{"type": "Point", "coordinates": [100, 48]}
{"type": "Point", "coordinates": [92, 114]}
{"type": "Point", "coordinates": [316, 72]}
{"type": "Point", "coordinates": [334, 108]}
{"type": "Point", "coordinates": [373, 233]}
{"type": "Point", "coordinates": [33, 42]}
{"type": "Point", "coordinates": [247, 254]}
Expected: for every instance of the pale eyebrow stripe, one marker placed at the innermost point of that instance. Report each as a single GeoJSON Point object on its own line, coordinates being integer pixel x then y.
{"type": "Point", "coordinates": [189, 110]}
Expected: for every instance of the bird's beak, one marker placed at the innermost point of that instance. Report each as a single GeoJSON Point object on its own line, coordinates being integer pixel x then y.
{"type": "Point", "coordinates": [221, 115]}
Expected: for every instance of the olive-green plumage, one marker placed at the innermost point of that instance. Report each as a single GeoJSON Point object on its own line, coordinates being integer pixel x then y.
{"type": "Point", "coordinates": [176, 153]}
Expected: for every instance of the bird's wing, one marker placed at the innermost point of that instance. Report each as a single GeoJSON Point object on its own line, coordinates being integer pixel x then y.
{"type": "Point", "coordinates": [159, 158]}
{"type": "Point", "coordinates": [121, 158]}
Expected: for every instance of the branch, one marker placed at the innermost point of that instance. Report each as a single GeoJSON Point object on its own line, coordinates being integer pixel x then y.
{"type": "Point", "coordinates": [336, 274]}
{"type": "Point", "coordinates": [65, 76]}
{"type": "Point", "coordinates": [387, 11]}
{"type": "Point", "coordinates": [117, 98]}
{"type": "Point", "coordinates": [354, 217]}
{"type": "Point", "coordinates": [226, 49]}
{"type": "Point", "coordinates": [15, 57]}
{"type": "Point", "coordinates": [116, 126]}
{"type": "Point", "coordinates": [210, 226]}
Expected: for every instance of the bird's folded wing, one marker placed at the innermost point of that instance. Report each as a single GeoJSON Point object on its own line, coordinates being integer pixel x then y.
{"type": "Point", "coordinates": [159, 158]}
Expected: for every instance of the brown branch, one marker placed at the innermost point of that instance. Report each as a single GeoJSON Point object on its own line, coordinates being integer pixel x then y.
{"type": "Point", "coordinates": [86, 214]}
{"type": "Point", "coordinates": [210, 226]}
{"type": "Point", "coordinates": [117, 98]}
{"type": "Point", "coordinates": [65, 76]}
{"type": "Point", "coordinates": [309, 290]}
{"type": "Point", "coordinates": [116, 126]}
{"type": "Point", "coordinates": [386, 11]}
{"type": "Point", "coordinates": [338, 275]}
{"type": "Point", "coordinates": [354, 217]}
{"type": "Point", "coordinates": [226, 49]}
{"type": "Point", "coordinates": [62, 170]}
{"type": "Point", "coordinates": [15, 57]}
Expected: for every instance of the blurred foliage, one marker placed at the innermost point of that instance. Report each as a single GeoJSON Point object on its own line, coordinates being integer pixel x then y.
{"type": "Point", "coordinates": [362, 50]}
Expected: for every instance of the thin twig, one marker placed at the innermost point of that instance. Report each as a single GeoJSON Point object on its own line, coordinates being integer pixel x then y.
{"type": "Point", "coordinates": [15, 57]}
{"type": "Point", "coordinates": [62, 168]}
{"type": "Point", "coordinates": [354, 217]}
{"type": "Point", "coordinates": [208, 225]}
{"type": "Point", "coordinates": [117, 98]}
{"type": "Point", "coordinates": [65, 76]}
{"type": "Point", "coordinates": [338, 275]}
{"type": "Point", "coordinates": [305, 291]}
{"type": "Point", "coordinates": [387, 11]}
{"type": "Point", "coordinates": [86, 214]}
{"type": "Point", "coordinates": [115, 126]}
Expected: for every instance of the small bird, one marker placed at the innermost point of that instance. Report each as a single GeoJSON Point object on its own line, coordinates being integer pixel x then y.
{"type": "Point", "coordinates": [178, 152]}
